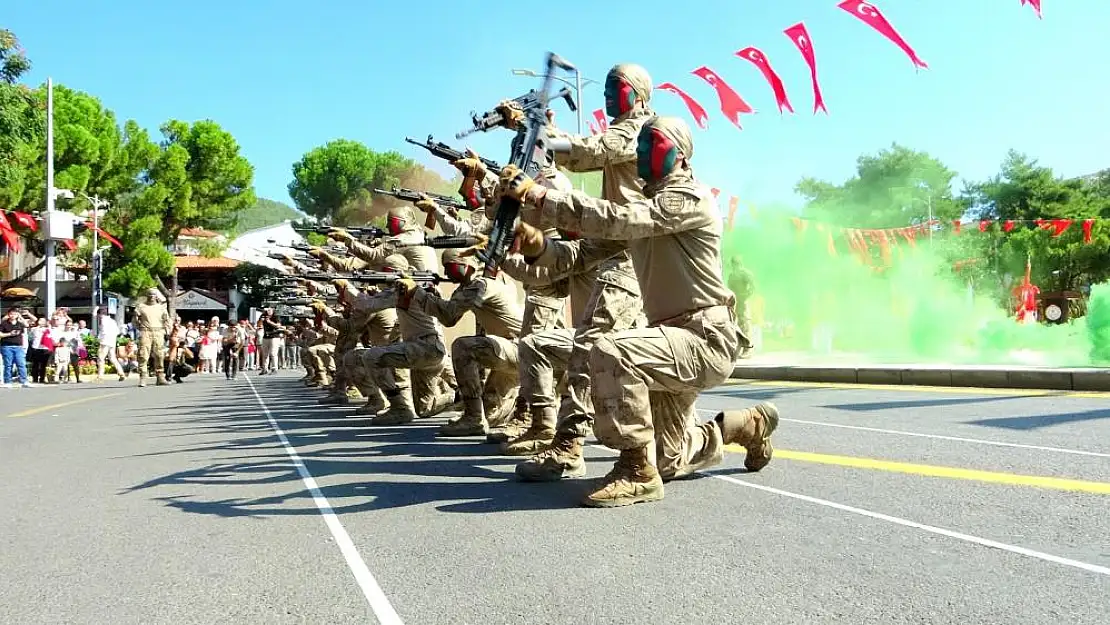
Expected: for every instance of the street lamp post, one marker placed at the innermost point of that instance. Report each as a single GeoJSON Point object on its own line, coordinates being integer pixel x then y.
{"type": "Point", "coordinates": [51, 260]}
{"type": "Point", "coordinates": [577, 85]}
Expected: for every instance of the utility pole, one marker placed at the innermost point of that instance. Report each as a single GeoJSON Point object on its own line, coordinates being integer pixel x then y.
{"type": "Point", "coordinates": [51, 260]}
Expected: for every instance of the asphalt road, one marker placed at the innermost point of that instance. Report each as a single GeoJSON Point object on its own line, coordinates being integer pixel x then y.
{"type": "Point", "coordinates": [883, 505]}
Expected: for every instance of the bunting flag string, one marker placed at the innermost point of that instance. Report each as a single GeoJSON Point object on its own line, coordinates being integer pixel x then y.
{"type": "Point", "coordinates": [732, 105]}
{"type": "Point", "coordinates": [871, 15]}
{"type": "Point", "coordinates": [10, 236]}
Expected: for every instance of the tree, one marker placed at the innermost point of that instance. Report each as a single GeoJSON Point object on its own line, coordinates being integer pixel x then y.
{"type": "Point", "coordinates": [20, 122]}
{"type": "Point", "coordinates": [266, 212]}
{"type": "Point", "coordinates": [335, 181]}
{"type": "Point", "coordinates": [252, 281]}
{"type": "Point", "coordinates": [1024, 191]}
{"type": "Point", "coordinates": [893, 188]}
{"type": "Point", "coordinates": [13, 61]}
{"type": "Point", "coordinates": [197, 179]}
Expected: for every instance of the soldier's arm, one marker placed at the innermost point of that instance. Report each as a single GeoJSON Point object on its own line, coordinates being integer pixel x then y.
{"type": "Point", "coordinates": [614, 146]}
{"type": "Point", "coordinates": [349, 263]}
{"type": "Point", "coordinates": [451, 311]}
{"type": "Point", "coordinates": [369, 255]}
{"type": "Point", "coordinates": [384, 300]}
{"type": "Point", "coordinates": [298, 266]}
{"type": "Point", "coordinates": [668, 212]}
{"type": "Point", "coordinates": [452, 226]}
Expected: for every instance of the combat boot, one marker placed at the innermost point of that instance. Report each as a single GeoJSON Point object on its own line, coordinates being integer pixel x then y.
{"type": "Point", "coordinates": [537, 437]}
{"type": "Point", "coordinates": [142, 379]}
{"type": "Point", "coordinates": [400, 410]}
{"type": "Point", "coordinates": [373, 406]}
{"type": "Point", "coordinates": [633, 480]}
{"type": "Point", "coordinates": [562, 458]}
{"type": "Point", "coordinates": [516, 425]}
{"type": "Point", "coordinates": [751, 428]}
{"type": "Point", "coordinates": [471, 423]}
{"type": "Point", "coordinates": [160, 380]}
{"type": "Point", "coordinates": [443, 402]}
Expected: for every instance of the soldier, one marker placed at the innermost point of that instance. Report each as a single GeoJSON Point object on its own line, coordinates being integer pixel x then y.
{"type": "Point", "coordinates": [495, 308]}
{"type": "Point", "coordinates": [646, 381]}
{"type": "Point", "coordinates": [742, 284]}
{"type": "Point", "coordinates": [615, 303]}
{"type": "Point", "coordinates": [421, 351]}
{"type": "Point", "coordinates": [152, 319]}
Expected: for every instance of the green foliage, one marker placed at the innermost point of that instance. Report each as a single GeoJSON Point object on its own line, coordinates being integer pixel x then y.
{"type": "Point", "coordinates": [893, 188]}
{"type": "Point", "coordinates": [266, 212]}
{"type": "Point", "coordinates": [13, 62]}
{"type": "Point", "coordinates": [251, 280]}
{"type": "Point", "coordinates": [211, 248]}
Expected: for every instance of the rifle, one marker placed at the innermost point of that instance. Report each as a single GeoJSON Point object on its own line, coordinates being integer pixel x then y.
{"type": "Point", "coordinates": [365, 232]}
{"type": "Point", "coordinates": [447, 153]}
{"type": "Point", "coordinates": [384, 277]}
{"type": "Point", "coordinates": [529, 150]}
{"type": "Point", "coordinates": [531, 101]}
{"type": "Point", "coordinates": [409, 195]}
{"type": "Point", "coordinates": [445, 242]}
{"type": "Point", "coordinates": [304, 247]}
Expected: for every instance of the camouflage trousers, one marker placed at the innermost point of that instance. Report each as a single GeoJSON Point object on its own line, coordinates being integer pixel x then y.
{"type": "Point", "coordinates": [470, 354]}
{"type": "Point", "coordinates": [152, 343]}
{"type": "Point", "coordinates": [611, 308]}
{"type": "Point", "coordinates": [382, 329]}
{"type": "Point", "coordinates": [645, 383]}
{"type": "Point", "coordinates": [543, 310]}
{"type": "Point", "coordinates": [543, 361]}
{"type": "Point", "coordinates": [321, 358]}
{"type": "Point", "coordinates": [415, 366]}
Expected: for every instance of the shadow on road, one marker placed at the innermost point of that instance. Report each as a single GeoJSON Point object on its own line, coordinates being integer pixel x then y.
{"type": "Point", "coordinates": [357, 467]}
{"type": "Point", "coordinates": [1034, 422]}
{"type": "Point", "coordinates": [922, 403]}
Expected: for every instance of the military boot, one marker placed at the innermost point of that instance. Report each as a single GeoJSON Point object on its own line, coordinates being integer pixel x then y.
{"type": "Point", "coordinates": [471, 423]}
{"type": "Point", "coordinates": [142, 379]}
{"type": "Point", "coordinates": [516, 425]}
{"type": "Point", "coordinates": [536, 438]}
{"type": "Point", "coordinates": [373, 406]}
{"type": "Point", "coordinates": [160, 379]}
{"type": "Point", "coordinates": [562, 458]}
{"type": "Point", "coordinates": [633, 480]}
{"type": "Point", "coordinates": [400, 410]}
{"type": "Point", "coordinates": [444, 402]}
{"type": "Point", "coordinates": [751, 428]}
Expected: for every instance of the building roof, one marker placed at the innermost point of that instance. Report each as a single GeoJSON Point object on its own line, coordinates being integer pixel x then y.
{"type": "Point", "coordinates": [201, 262]}
{"type": "Point", "coordinates": [199, 233]}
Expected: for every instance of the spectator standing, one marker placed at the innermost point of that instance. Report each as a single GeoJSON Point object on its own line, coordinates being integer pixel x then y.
{"type": "Point", "coordinates": [107, 334]}
{"type": "Point", "coordinates": [41, 346]}
{"type": "Point", "coordinates": [13, 340]}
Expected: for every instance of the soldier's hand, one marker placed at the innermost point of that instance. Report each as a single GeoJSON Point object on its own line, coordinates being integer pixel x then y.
{"type": "Point", "coordinates": [425, 204]}
{"type": "Point", "coordinates": [529, 241]}
{"type": "Point", "coordinates": [341, 283]}
{"type": "Point", "coordinates": [315, 252]}
{"type": "Point", "coordinates": [471, 165]}
{"type": "Point", "coordinates": [550, 114]}
{"type": "Point", "coordinates": [340, 234]}
{"type": "Point", "coordinates": [520, 186]}
{"type": "Point", "coordinates": [511, 114]}
{"type": "Point", "coordinates": [483, 241]}
{"type": "Point", "coordinates": [318, 305]}
{"type": "Point", "coordinates": [405, 285]}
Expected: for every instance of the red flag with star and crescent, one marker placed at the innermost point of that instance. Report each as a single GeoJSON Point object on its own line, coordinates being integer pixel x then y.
{"type": "Point", "coordinates": [697, 111]}
{"type": "Point", "coordinates": [1036, 4]}
{"type": "Point", "coordinates": [602, 121]}
{"type": "Point", "coordinates": [732, 105]}
{"type": "Point", "coordinates": [759, 59]}
{"type": "Point", "coordinates": [800, 36]}
{"type": "Point", "coordinates": [871, 15]}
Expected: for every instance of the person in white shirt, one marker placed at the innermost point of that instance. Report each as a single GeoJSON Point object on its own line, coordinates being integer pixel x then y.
{"type": "Point", "coordinates": [106, 335]}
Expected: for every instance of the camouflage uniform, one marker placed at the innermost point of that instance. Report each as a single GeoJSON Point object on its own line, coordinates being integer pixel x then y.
{"type": "Point", "coordinates": [645, 381]}
{"type": "Point", "coordinates": [494, 306]}
{"type": "Point", "coordinates": [152, 318]}
{"type": "Point", "coordinates": [614, 304]}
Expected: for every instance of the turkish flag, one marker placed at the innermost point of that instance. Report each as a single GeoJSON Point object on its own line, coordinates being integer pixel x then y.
{"type": "Point", "coordinates": [104, 234]}
{"type": "Point", "coordinates": [869, 14]}
{"type": "Point", "coordinates": [800, 36]}
{"type": "Point", "coordinates": [602, 121]}
{"type": "Point", "coordinates": [1036, 6]}
{"type": "Point", "coordinates": [732, 105]}
{"type": "Point", "coordinates": [25, 220]}
{"type": "Point", "coordinates": [593, 128]}
{"type": "Point", "coordinates": [697, 111]}
{"type": "Point", "coordinates": [7, 234]}
{"type": "Point", "coordinates": [759, 59]}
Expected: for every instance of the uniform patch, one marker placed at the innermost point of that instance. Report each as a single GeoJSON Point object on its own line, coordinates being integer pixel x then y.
{"type": "Point", "coordinates": [672, 202]}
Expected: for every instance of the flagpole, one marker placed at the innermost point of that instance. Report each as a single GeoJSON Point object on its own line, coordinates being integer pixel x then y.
{"type": "Point", "coordinates": [51, 260]}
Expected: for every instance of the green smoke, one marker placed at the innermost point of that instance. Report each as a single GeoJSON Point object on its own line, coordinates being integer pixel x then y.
{"type": "Point", "coordinates": [918, 310]}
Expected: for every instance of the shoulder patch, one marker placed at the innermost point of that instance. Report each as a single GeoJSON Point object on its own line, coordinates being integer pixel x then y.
{"type": "Point", "coordinates": [672, 201]}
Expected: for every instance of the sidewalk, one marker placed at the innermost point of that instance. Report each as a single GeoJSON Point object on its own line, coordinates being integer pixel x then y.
{"type": "Point", "coordinates": [857, 369]}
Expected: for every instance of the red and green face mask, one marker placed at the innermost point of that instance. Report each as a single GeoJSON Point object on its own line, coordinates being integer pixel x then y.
{"type": "Point", "coordinates": [396, 225]}
{"type": "Point", "coordinates": [619, 96]}
{"type": "Point", "coordinates": [655, 155]}
{"type": "Point", "coordinates": [456, 271]}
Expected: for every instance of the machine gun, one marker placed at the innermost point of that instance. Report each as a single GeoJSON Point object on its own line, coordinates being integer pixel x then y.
{"type": "Point", "coordinates": [447, 153]}
{"type": "Point", "coordinates": [529, 151]}
{"type": "Point", "coordinates": [452, 205]}
{"type": "Point", "coordinates": [529, 102]}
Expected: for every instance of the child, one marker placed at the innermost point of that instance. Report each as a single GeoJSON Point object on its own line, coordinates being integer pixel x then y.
{"type": "Point", "coordinates": [62, 353]}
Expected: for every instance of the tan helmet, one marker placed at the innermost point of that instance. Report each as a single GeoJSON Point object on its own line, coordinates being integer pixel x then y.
{"type": "Point", "coordinates": [396, 262]}
{"type": "Point", "coordinates": [454, 255]}
{"type": "Point", "coordinates": [636, 76]}
{"type": "Point", "coordinates": [401, 219]}
{"type": "Point", "coordinates": [674, 129]}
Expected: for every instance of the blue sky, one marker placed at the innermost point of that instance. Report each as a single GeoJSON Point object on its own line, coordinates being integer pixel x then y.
{"type": "Point", "coordinates": [284, 77]}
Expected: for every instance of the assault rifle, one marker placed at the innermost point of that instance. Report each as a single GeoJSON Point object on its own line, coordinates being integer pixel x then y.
{"type": "Point", "coordinates": [365, 232]}
{"type": "Point", "coordinates": [529, 102]}
{"type": "Point", "coordinates": [445, 242]}
{"type": "Point", "coordinates": [384, 277]}
{"type": "Point", "coordinates": [447, 153]}
{"type": "Point", "coordinates": [529, 151]}
{"type": "Point", "coordinates": [452, 205]}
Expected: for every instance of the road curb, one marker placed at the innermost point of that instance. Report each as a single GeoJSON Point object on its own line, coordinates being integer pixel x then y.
{"type": "Point", "coordinates": [1077, 379]}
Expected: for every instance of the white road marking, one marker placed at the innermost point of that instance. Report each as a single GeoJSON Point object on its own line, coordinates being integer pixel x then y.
{"type": "Point", "coordinates": [1048, 557]}
{"type": "Point", "coordinates": [379, 603]}
{"type": "Point", "coordinates": [958, 439]}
